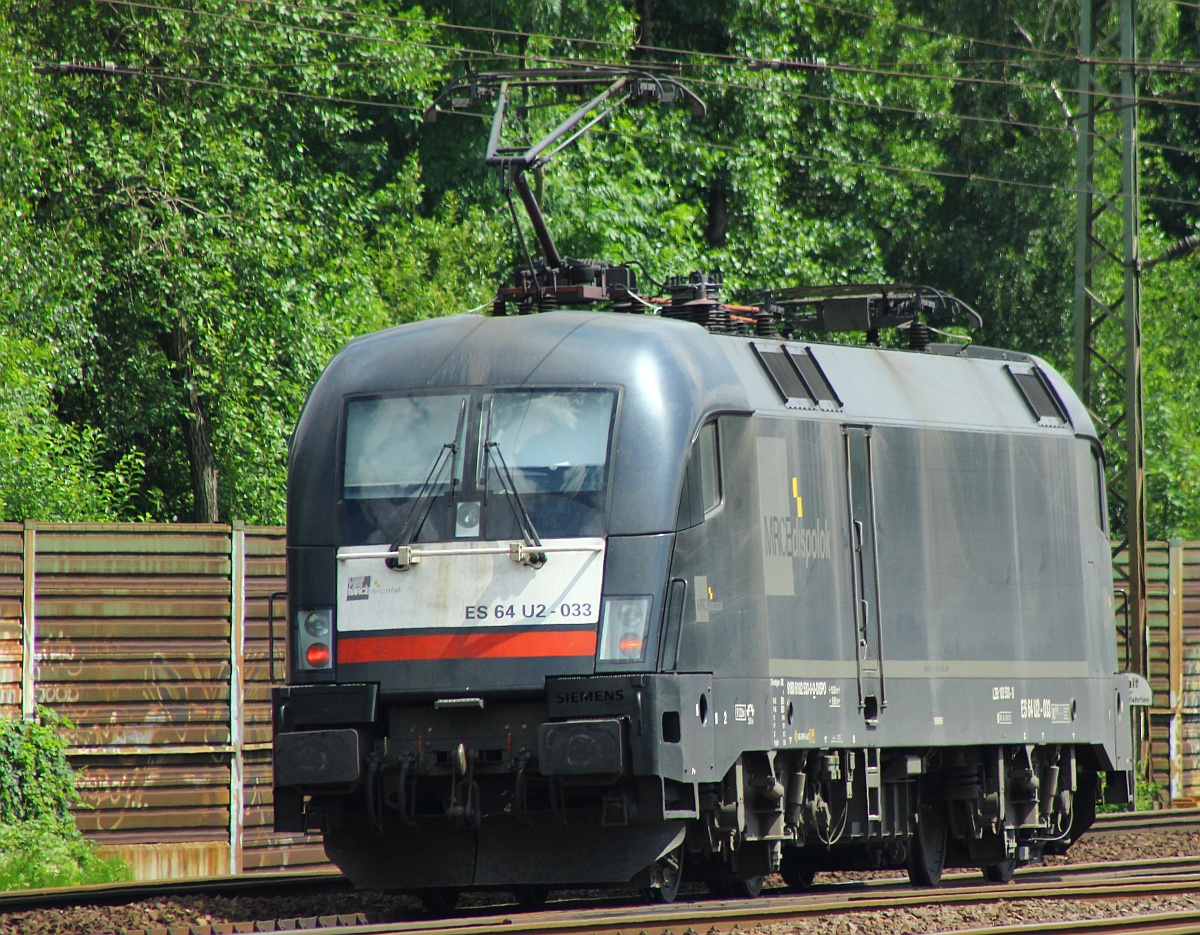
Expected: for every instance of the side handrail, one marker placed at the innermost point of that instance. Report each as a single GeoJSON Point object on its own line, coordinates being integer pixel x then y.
{"type": "Point", "coordinates": [1125, 611]}
{"type": "Point", "coordinates": [271, 630]}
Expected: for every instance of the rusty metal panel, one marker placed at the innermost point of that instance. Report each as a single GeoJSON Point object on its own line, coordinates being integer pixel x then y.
{"type": "Point", "coordinates": [11, 594]}
{"type": "Point", "coordinates": [175, 861]}
{"type": "Point", "coordinates": [150, 799]}
{"type": "Point", "coordinates": [1175, 666]}
{"type": "Point", "coordinates": [12, 568]}
{"type": "Point", "coordinates": [1155, 753]}
{"type": "Point", "coordinates": [135, 627]}
{"type": "Point", "coordinates": [133, 647]}
{"type": "Point", "coordinates": [1172, 747]}
{"type": "Point", "coordinates": [262, 848]}
{"type": "Point", "coordinates": [1189, 704]}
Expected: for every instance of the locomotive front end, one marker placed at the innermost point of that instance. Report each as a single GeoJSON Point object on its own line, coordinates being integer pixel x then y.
{"type": "Point", "coordinates": [475, 618]}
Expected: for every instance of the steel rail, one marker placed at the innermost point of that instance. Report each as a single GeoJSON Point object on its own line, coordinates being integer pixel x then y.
{"type": "Point", "coordinates": [1107, 880]}
{"type": "Point", "coordinates": [286, 882]}
{"type": "Point", "coordinates": [718, 917]}
{"type": "Point", "coordinates": [1186, 819]}
{"type": "Point", "coordinates": [1185, 922]}
{"type": "Point", "coordinates": [107, 894]}
{"type": "Point", "coordinates": [713, 917]}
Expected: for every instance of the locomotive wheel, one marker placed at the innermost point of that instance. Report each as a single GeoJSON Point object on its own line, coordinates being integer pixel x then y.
{"type": "Point", "coordinates": [745, 889]}
{"type": "Point", "coordinates": [532, 898]}
{"type": "Point", "coordinates": [797, 872]}
{"type": "Point", "coordinates": [927, 852]}
{"type": "Point", "coordinates": [671, 868]}
{"type": "Point", "coordinates": [440, 901]}
{"type": "Point", "coordinates": [1000, 872]}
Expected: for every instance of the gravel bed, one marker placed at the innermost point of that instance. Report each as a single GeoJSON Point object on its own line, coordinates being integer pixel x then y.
{"type": "Point", "coordinates": [200, 911]}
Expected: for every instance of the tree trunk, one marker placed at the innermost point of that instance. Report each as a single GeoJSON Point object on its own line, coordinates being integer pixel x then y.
{"type": "Point", "coordinates": [646, 23]}
{"type": "Point", "coordinates": [194, 422]}
{"type": "Point", "coordinates": [718, 216]}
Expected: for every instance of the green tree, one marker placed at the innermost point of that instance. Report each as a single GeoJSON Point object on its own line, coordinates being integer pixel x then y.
{"type": "Point", "coordinates": [230, 225]}
{"type": "Point", "coordinates": [183, 245]}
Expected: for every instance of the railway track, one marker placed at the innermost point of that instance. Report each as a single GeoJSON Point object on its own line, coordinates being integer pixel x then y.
{"type": "Point", "coordinates": [790, 911]}
{"type": "Point", "coordinates": [1167, 819]}
{"type": "Point", "coordinates": [1101, 881]}
{"type": "Point", "coordinates": [109, 894]}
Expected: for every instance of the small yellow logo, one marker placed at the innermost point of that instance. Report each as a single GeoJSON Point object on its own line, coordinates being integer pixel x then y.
{"type": "Point", "coordinates": [796, 496]}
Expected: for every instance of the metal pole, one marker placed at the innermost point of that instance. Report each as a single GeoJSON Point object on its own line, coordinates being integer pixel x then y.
{"type": "Point", "coordinates": [1108, 331]}
{"type": "Point", "coordinates": [29, 623]}
{"type": "Point", "coordinates": [237, 719]}
{"type": "Point", "coordinates": [1135, 448]}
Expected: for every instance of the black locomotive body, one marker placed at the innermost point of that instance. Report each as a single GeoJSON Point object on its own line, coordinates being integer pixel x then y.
{"type": "Point", "coordinates": [586, 597]}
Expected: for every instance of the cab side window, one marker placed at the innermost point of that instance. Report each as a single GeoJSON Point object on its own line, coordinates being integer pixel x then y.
{"type": "Point", "coordinates": [1098, 488]}
{"type": "Point", "coordinates": [701, 492]}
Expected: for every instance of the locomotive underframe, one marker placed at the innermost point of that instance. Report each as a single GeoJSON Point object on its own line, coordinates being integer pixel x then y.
{"type": "Point", "coordinates": [462, 798]}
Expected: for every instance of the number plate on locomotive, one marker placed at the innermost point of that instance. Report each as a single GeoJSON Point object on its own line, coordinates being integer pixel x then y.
{"type": "Point", "coordinates": [470, 585]}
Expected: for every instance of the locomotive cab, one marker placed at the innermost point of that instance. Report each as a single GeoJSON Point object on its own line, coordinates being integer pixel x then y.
{"type": "Point", "coordinates": [478, 618]}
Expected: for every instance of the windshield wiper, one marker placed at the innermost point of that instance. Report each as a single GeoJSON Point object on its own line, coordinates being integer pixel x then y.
{"type": "Point", "coordinates": [532, 555]}
{"type": "Point", "coordinates": [424, 500]}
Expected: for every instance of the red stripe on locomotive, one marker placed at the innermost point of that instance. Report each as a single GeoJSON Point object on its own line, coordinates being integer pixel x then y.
{"type": "Point", "coordinates": [505, 645]}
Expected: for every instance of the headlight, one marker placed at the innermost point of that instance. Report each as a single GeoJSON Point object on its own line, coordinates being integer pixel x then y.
{"type": "Point", "coordinates": [314, 632]}
{"type": "Point", "coordinates": [624, 622]}
{"type": "Point", "coordinates": [316, 624]}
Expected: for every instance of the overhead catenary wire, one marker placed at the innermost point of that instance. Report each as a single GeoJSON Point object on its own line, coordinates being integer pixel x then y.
{"type": "Point", "coordinates": [780, 64]}
{"type": "Point", "coordinates": [281, 92]}
{"type": "Point", "coordinates": [159, 75]}
{"type": "Point", "coordinates": [885, 167]}
{"type": "Point", "coordinates": [1067, 58]}
{"type": "Point", "coordinates": [804, 66]}
{"type": "Point", "coordinates": [798, 157]}
{"type": "Point", "coordinates": [932, 115]}
{"type": "Point", "coordinates": [1050, 55]}
{"type": "Point", "coordinates": [387, 105]}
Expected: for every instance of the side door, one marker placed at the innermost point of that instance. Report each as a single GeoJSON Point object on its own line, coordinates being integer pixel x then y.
{"type": "Point", "coordinates": [868, 629]}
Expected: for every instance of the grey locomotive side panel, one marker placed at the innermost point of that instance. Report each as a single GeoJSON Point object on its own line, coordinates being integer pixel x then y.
{"type": "Point", "coordinates": [722, 629]}
{"type": "Point", "coordinates": [804, 537]}
{"type": "Point", "coordinates": [985, 594]}
{"type": "Point", "coordinates": [1097, 557]}
{"type": "Point", "coordinates": [981, 626]}
{"type": "Point", "coordinates": [804, 541]}
{"type": "Point", "coordinates": [979, 550]}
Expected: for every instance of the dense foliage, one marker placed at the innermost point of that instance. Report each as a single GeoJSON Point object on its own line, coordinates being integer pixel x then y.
{"type": "Point", "coordinates": [39, 842]}
{"type": "Point", "coordinates": [40, 854]}
{"type": "Point", "coordinates": [184, 243]}
{"type": "Point", "coordinates": [36, 781]}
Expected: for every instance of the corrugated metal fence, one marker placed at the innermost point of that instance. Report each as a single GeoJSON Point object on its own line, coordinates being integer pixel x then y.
{"type": "Point", "coordinates": [1173, 651]}
{"type": "Point", "coordinates": [153, 640]}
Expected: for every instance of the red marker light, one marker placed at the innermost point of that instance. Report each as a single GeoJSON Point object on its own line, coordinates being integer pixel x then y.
{"type": "Point", "coordinates": [318, 655]}
{"type": "Point", "coordinates": [631, 644]}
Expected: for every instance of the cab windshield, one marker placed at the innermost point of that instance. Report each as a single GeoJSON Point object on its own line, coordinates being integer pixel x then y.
{"type": "Point", "coordinates": [457, 452]}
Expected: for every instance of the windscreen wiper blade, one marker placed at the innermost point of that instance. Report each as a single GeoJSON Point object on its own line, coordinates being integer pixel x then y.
{"type": "Point", "coordinates": [509, 489]}
{"type": "Point", "coordinates": [424, 500]}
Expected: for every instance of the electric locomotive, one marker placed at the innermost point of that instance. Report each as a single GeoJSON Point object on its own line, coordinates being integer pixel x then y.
{"type": "Point", "coordinates": [604, 597]}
